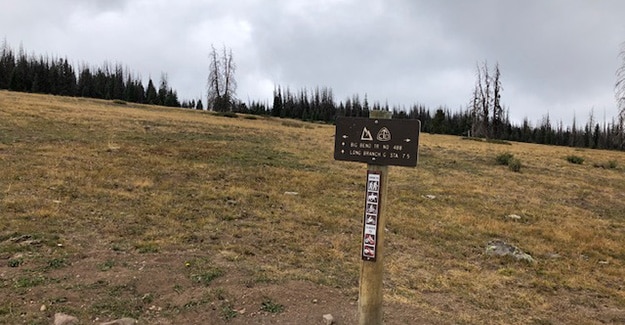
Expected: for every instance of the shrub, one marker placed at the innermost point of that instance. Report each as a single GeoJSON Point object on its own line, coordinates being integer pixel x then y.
{"type": "Point", "coordinates": [15, 262]}
{"type": "Point", "coordinates": [612, 164]}
{"type": "Point", "coordinates": [504, 158]}
{"type": "Point", "coordinates": [514, 165]}
{"type": "Point", "coordinates": [227, 114]}
{"type": "Point", "coordinates": [575, 159]}
{"type": "Point", "coordinates": [292, 124]}
{"type": "Point", "coordinates": [498, 141]}
{"type": "Point", "coordinates": [473, 139]}
{"type": "Point", "coordinates": [119, 102]}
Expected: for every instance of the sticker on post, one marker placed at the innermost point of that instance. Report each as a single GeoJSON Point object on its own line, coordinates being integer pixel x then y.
{"type": "Point", "coordinates": [371, 216]}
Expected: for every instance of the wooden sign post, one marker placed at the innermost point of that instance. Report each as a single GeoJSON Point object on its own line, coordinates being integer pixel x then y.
{"type": "Point", "coordinates": [380, 142]}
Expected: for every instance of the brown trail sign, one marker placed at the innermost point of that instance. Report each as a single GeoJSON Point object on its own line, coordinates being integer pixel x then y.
{"type": "Point", "coordinates": [378, 141]}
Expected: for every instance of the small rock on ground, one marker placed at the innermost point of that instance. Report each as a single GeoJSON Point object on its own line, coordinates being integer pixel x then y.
{"type": "Point", "coordinates": [122, 321]}
{"type": "Point", "coordinates": [63, 319]}
{"type": "Point", "coordinates": [501, 248]}
{"type": "Point", "coordinates": [514, 217]}
{"type": "Point", "coordinates": [328, 319]}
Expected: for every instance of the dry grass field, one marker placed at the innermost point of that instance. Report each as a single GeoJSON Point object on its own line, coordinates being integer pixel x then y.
{"type": "Point", "coordinates": [172, 216]}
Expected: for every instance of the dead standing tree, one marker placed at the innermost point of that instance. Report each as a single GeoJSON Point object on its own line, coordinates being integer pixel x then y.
{"type": "Point", "coordinates": [619, 93]}
{"type": "Point", "coordinates": [498, 113]}
{"type": "Point", "coordinates": [221, 83]}
{"type": "Point", "coordinates": [481, 103]}
{"type": "Point", "coordinates": [486, 102]}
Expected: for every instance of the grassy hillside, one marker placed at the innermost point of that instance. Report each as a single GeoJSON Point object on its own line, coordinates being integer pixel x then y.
{"type": "Point", "coordinates": [182, 217]}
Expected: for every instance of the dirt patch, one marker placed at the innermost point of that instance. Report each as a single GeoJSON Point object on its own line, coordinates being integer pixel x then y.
{"type": "Point", "coordinates": [167, 288]}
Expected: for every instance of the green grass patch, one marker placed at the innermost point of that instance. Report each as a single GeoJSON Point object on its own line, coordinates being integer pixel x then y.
{"type": "Point", "coordinates": [57, 263]}
{"type": "Point", "coordinates": [514, 165]}
{"type": "Point", "coordinates": [15, 262]}
{"type": "Point", "coordinates": [270, 306]}
{"type": "Point", "coordinates": [504, 158]}
{"type": "Point", "coordinates": [31, 281]}
{"type": "Point", "coordinates": [107, 265]}
{"type": "Point", "coordinates": [228, 312]}
{"type": "Point", "coordinates": [207, 276]}
{"type": "Point", "coordinates": [573, 159]}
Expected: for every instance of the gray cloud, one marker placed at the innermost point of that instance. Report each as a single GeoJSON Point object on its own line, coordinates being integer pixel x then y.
{"type": "Point", "coordinates": [556, 57]}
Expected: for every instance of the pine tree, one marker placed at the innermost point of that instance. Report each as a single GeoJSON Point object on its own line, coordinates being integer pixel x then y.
{"type": "Point", "coordinates": [438, 123]}
{"type": "Point", "coordinates": [7, 64]}
{"type": "Point", "coordinates": [276, 109]}
{"type": "Point", "coordinates": [151, 94]}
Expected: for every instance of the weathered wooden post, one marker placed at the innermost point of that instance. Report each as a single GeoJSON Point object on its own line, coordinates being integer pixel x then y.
{"type": "Point", "coordinates": [378, 141]}
{"type": "Point", "coordinates": [372, 265]}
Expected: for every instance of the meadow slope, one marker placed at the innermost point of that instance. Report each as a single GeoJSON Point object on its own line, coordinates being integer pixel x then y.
{"type": "Point", "coordinates": [176, 216]}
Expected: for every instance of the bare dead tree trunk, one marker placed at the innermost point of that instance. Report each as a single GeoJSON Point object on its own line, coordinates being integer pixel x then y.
{"type": "Point", "coordinates": [497, 109]}
{"type": "Point", "coordinates": [229, 81]}
{"type": "Point", "coordinates": [214, 81]}
{"type": "Point", "coordinates": [619, 93]}
{"type": "Point", "coordinates": [221, 83]}
{"type": "Point", "coordinates": [485, 94]}
{"type": "Point", "coordinates": [475, 113]}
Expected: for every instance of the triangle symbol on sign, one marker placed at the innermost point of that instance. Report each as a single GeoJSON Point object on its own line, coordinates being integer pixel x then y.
{"type": "Point", "coordinates": [366, 134]}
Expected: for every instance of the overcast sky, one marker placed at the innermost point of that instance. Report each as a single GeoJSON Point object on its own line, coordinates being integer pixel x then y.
{"type": "Point", "coordinates": [556, 57]}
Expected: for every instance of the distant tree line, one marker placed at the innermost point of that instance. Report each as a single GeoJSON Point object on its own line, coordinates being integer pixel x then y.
{"type": "Point", "coordinates": [487, 116]}
{"type": "Point", "coordinates": [56, 76]}
{"type": "Point", "coordinates": [484, 117]}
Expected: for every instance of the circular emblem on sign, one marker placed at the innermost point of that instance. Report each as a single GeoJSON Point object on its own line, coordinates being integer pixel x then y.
{"type": "Point", "coordinates": [384, 134]}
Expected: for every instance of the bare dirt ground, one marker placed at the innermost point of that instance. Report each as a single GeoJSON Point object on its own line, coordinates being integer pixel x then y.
{"type": "Point", "coordinates": [233, 298]}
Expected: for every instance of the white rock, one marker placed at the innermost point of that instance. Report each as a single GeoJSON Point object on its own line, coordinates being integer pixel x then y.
{"type": "Point", "coordinates": [328, 319]}
{"type": "Point", "coordinates": [63, 319]}
{"type": "Point", "coordinates": [553, 255]}
{"type": "Point", "coordinates": [514, 217]}
{"type": "Point", "coordinates": [291, 193]}
{"type": "Point", "coordinates": [43, 308]}
{"type": "Point", "coordinates": [500, 248]}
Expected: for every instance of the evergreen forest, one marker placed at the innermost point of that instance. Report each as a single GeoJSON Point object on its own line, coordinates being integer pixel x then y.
{"type": "Point", "coordinates": [484, 117]}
